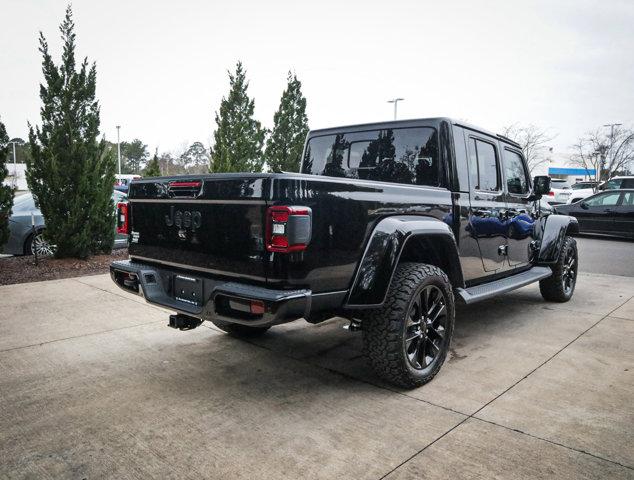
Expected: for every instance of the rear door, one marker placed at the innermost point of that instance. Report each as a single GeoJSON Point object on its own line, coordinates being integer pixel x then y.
{"type": "Point", "coordinates": [486, 215]}
{"type": "Point", "coordinates": [624, 215]}
{"type": "Point", "coordinates": [519, 221]}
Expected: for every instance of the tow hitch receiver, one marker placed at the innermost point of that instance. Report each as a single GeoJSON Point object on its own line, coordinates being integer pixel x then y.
{"type": "Point", "coordinates": [183, 322]}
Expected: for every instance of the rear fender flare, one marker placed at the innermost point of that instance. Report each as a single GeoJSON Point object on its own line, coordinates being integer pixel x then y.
{"type": "Point", "coordinates": [383, 252]}
{"type": "Point", "coordinates": [551, 232]}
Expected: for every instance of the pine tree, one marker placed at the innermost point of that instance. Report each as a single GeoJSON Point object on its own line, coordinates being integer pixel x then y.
{"type": "Point", "coordinates": [290, 126]}
{"type": "Point", "coordinates": [153, 168]}
{"type": "Point", "coordinates": [238, 138]}
{"type": "Point", "coordinates": [71, 173]}
{"type": "Point", "coordinates": [6, 192]}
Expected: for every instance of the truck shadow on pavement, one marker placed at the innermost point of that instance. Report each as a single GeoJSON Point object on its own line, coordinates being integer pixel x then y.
{"type": "Point", "coordinates": [491, 331]}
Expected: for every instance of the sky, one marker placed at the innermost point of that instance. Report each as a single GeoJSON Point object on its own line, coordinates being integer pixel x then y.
{"type": "Point", "coordinates": [566, 66]}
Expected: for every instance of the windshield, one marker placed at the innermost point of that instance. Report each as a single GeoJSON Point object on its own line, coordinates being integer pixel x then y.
{"type": "Point", "coordinates": [581, 185]}
{"type": "Point", "coordinates": [399, 155]}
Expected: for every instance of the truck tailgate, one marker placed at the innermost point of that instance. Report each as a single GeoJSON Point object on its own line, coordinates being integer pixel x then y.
{"type": "Point", "coordinates": [209, 223]}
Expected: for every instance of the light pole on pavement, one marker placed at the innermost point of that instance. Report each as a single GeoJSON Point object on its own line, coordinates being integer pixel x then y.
{"type": "Point", "coordinates": [611, 125]}
{"type": "Point", "coordinates": [395, 102]}
{"type": "Point", "coordinates": [15, 167]}
{"type": "Point", "coordinates": [119, 148]}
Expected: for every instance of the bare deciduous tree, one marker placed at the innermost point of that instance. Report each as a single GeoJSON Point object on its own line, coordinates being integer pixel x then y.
{"type": "Point", "coordinates": [606, 153]}
{"type": "Point", "coordinates": [533, 140]}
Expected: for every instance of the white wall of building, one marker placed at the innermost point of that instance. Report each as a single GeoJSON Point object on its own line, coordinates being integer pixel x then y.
{"type": "Point", "coordinates": [17, 176]}
{"type": "Point", "coordinates": [560, 160]}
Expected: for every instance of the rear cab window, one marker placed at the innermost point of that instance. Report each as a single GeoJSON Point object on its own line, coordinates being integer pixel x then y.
{"type": "Point", "coordinates": [396, 155]}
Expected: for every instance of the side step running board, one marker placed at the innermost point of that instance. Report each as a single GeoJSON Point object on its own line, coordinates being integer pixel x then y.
{"type": "Point", "coordinates": [491, 289]}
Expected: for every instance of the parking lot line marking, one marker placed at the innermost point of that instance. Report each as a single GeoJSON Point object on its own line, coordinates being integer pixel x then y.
{"type": "Point", "coordinates": [553, 442]}
{"type": "Point", "coordinates": [79, 336]}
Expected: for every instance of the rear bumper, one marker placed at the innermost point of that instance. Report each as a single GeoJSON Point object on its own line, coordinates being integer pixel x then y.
{"type": "Point", "coordinates": [156, 284]}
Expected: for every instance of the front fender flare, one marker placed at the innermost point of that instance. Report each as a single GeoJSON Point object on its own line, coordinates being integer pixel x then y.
{"type": "Point", "coordinates": [551, 232]}
{"type": "Point", "coordinates": [383, 251]}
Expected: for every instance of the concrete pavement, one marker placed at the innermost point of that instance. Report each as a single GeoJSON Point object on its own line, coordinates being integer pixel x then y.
{"type": "Point", "coordinates": [93, 385]}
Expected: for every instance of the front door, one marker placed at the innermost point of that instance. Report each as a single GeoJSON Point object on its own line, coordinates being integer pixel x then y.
{"type": "Point", "coordinates": [519, 220]}
{"type": "Point", "coordinates": [597, 213]}
{"type": "Point", "coordinates": [488, 208]}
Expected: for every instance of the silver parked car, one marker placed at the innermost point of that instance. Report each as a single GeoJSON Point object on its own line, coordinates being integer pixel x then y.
{"type": "Point", "coordinates": [21, 239]}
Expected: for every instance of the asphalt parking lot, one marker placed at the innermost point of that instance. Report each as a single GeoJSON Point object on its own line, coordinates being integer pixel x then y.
{"type": "Point", "coordinates": [94, 385]}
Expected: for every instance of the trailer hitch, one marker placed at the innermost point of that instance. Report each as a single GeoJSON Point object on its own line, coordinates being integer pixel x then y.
{"type": "Point", "coordinates": [183, 322]}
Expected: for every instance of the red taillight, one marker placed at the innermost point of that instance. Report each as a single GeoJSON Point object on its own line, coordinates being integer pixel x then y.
{"type": "Point", "coordinates": [123, 223]}
{"type": "Point", "coordinates": [287, 229]}
{"type": "Point", "coordinates": [551, 194]}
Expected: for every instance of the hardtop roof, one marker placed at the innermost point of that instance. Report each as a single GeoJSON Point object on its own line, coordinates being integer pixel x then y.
{"type": "Point", "coordinates": [414, 122]}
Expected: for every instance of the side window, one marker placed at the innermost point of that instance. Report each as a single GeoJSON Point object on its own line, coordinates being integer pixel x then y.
{"type": "Point", "coordinates": [628, 199]}
{"type": "Point", "coordinates": [627, 183]}
{"type": "Point", "coordinates": [613, 184]}
{"type": "Point", "coordinates": [604, 200]}
{"type": "Point", "coordinates": [516, 177]}
{"type": "Point", "coordinates": [485, 162]}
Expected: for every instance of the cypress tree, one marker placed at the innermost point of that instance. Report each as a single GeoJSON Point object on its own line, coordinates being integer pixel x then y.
{"type": "Point", "coordinates": [238, 138]}
{"type": "Point", "coordinates": [290, 126]}
{"type": "Point", "coordinates": [71, 173]}
{"type": "Point", "coordinates": [153, 168]}
{"type": "Point", "coordinates": [6, 192]}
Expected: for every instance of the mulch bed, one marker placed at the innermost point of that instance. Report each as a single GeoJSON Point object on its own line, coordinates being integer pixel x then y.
{"type": "Point", "coordinates": [23, 269]}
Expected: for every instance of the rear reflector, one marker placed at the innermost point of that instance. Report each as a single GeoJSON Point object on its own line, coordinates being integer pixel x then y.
{"type": "Point", "coordinates": [288, 229]}
{"type": "Point", "coordinates": [257, 307]}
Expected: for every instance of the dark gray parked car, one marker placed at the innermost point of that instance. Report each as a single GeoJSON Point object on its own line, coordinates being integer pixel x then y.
{"type": "Point", "coordinates": [23, 242]}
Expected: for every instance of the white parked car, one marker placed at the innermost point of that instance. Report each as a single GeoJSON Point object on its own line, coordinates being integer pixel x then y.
{"type": "Point", "coordinates": [560, 191]}
{"type": "Point", "coordinates": [581, 190]}
{"type": "Point", "coordinates": [615, 183]}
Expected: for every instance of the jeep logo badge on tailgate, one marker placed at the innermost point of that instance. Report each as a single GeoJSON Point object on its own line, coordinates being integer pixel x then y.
{"type": "Point", "coordinates": [184, 220]}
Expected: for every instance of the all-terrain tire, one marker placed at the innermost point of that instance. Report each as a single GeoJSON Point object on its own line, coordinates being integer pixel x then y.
{"type": "Point", "coordinates": [241, 331]}
{"type": "Point", "coordinates": [560, 286]}
{"type": "Point", "coordinates": [385, 329]}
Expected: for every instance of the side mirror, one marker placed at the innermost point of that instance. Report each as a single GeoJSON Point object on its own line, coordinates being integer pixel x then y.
{"type": "Point", "coordinates": [541, 186]}
{"type": "Point", "coordinates": [584, 205]}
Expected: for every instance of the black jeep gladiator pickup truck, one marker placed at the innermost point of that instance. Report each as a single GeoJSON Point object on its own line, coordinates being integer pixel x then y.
{"type": "Point", "coordinates": [387, 225]}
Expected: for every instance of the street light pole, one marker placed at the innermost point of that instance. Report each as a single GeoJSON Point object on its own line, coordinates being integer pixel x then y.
{"type": "Point", "coordinates": [15, 167]}
{"type": "Point", "coordinates": [395, 102]}
{"type": "Point", "coordinates": [119, 148]}
{"type": "Point", "coordinates": [611, 125]}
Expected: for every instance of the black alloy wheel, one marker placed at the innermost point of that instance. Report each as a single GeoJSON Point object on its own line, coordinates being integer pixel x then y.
{"type": "Point", "coordinates": [426, 328]}
{"type": "Point", "coordinates": [407, 340]}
